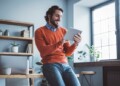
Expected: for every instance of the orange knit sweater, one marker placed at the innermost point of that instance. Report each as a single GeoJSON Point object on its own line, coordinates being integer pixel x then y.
{"type": "Point", "coordinates": [49, 44]}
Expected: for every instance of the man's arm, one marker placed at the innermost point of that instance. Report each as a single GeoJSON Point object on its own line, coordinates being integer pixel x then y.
{"type": "Point", "coordinates": [68, 48]}
{"type": "Point", "coordinates": [43, 48]}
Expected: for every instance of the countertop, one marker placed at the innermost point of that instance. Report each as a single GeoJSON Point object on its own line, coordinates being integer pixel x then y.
{"type": "Point", "coordinates": [103, 63]}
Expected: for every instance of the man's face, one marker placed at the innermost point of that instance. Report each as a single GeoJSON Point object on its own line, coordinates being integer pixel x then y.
{"type": "Point", "coordinates": [55, 18]}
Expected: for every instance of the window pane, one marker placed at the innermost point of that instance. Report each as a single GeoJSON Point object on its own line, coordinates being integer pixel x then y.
{"type": "Point", "coordinates": [104, 26]}
{"type": "Point", "coordinates": [104, 38]}
{"type": "Point", "coordinates": [104, 31]}
{"type": "Point", "coordinates": [113, 52]}
{"type": "Point", "coordinates": [111, 8]}
{"type": "Point", "coordinates": [96, 27]}
{"type": "Point", "coordinates": [111, 24]}
{"type": "Point", "coordinates": [112, 38]}
{"type": "Point", "coordinates": [97, 40]}
{"type": "Point", "coordinates": [105, 53]}
{"type": "Point", "coordinates": [104, 12]}
{"type": "Point", "coordinates": [96, 15]}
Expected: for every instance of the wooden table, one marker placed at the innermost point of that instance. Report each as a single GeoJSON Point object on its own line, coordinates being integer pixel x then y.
{"type": "Point", "coordinates": [110, 68]}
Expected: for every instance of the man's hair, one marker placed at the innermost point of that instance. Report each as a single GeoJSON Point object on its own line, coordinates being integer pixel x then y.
{"type": "Point", "coordinates": [51, 11]}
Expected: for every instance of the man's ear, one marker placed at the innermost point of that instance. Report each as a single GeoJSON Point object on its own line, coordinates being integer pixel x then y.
{"type": "Point", "coordinates": [49, 17]}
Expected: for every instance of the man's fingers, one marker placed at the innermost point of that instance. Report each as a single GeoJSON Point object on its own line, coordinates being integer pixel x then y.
{"type": "Point", "coordinates": [79, 34]}
{"type": "Point", "coordinates": [77, 38]}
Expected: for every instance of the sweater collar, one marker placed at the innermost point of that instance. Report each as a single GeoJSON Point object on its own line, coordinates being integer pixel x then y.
{"type": "Point", "coordinates": [51, 27]}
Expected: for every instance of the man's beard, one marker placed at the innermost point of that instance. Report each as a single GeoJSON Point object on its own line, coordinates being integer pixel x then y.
{"type": "Point", "coordinates": [53, 23]}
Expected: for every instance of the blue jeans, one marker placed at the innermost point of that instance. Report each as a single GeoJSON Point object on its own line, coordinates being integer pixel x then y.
{"type": "Point", "coordinates": [58, 74]}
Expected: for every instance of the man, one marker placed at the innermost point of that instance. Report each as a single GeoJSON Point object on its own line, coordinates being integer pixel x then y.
{"type": "Point", "coordinates": [54, 49]}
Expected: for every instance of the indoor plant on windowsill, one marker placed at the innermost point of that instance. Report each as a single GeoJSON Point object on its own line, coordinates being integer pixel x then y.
{"type": "Point", "coordinates": [82, 54]}
{"type": "Point", "coordinates": [94, 54]}
{"type": "Point", "coordinates": [15, 47]}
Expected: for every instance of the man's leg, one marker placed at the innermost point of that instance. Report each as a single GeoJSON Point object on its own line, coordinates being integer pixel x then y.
{"type": "Point", "coordinates": [53, 75]}
{"type": "Point", "coordinates": [70, 77]}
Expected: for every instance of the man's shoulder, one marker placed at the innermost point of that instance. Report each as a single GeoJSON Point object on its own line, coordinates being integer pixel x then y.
{"type": "Point", "coordinates": [40, 28]}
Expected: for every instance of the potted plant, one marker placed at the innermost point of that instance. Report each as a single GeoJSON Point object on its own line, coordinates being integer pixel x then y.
{"type": "Point", "coordinates": [15, 47]}
{"type": "Point", "coordinates": [6, 70]}
{"type": "Point", "coordinates": [94, 54]}
{"type": "Point", "coordinates": [82, 54]}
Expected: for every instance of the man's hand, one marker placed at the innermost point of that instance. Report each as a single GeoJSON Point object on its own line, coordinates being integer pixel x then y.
{"type": "Point", "coordinates": [77, 39]}
{"type": "Point", "coordinates": [61, 42]}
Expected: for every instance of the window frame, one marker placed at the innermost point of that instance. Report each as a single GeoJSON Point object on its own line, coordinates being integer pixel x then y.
{"type": "Point", "coordinates": [117, 19]}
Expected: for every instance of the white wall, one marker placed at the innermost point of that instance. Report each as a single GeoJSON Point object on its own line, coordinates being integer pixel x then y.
{"type": "Point", "coordinates": [79, 18]}
{"type": "Point", "coordinates": [30, 11]}
{"type": "Point", "coordinates": [70, 12]}
{"type": "Point", "coordinates": [82, 22]}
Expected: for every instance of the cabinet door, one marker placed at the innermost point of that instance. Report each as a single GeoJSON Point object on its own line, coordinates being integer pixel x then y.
{"type": "Point", "coordinates": [111, 76]}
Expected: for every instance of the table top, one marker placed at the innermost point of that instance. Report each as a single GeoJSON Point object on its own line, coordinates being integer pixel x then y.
{"type": "Point", "coordinates": [103, 63]}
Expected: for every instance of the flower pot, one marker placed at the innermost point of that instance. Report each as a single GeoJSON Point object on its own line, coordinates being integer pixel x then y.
{"type": "Point", "coordinates": [92, 59]}
{"type": "Point", "coordinates": [6, 71]}
{"type": "Point", "coordinates": [15, 49]}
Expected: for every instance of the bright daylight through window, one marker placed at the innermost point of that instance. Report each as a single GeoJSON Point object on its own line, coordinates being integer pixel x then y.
{"type": "Point", "coordinates": [104, 37]}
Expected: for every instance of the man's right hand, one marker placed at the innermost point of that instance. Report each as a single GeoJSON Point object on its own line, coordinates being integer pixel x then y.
{"type": "Point", "coordinates": [61, 42]}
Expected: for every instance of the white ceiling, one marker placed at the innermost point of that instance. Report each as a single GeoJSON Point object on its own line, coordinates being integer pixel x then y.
{"type": "Point", "coordinates": [90, 3]}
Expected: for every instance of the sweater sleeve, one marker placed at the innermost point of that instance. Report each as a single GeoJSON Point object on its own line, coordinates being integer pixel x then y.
{"type": "Point", "coordinates": [43, 48]}
{"type": "Point", "coordinates": [68, 48]}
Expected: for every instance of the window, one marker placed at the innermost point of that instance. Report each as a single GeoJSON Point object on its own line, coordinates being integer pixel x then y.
{"type": "Point", "coordinates": [104, 27]}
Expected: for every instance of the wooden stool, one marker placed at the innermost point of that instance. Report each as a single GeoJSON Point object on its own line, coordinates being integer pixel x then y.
{"type": "Point", "coordinates": [84, 74]}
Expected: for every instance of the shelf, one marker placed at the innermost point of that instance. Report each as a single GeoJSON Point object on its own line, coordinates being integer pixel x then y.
{"type": "Point", "coordinates": [23, 76]}
{"type": "Point", "coordinates": [15, 23]}
{"type": "Point", "coordinates": [15, 38]}
{"type": "Point", "coordinates": [15, 54]}
{"type": "Point", "coordinates": [26, 76]}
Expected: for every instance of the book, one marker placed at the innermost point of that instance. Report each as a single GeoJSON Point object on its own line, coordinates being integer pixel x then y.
{"type": "Point", "coordinates": [71, 33]}
{"type": "Point", "coordinates": [25, 33]}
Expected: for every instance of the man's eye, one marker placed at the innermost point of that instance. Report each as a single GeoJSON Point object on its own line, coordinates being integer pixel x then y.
{"type": "Point", "coordinates": [57, 15]}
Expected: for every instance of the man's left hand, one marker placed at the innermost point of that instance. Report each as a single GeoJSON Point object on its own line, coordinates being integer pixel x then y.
{"type": "Point", "coordinates": [77, 39]}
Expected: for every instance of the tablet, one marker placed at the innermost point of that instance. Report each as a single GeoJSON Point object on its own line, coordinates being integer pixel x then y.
{"type": "Point", "coordinates": [71, 33]}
